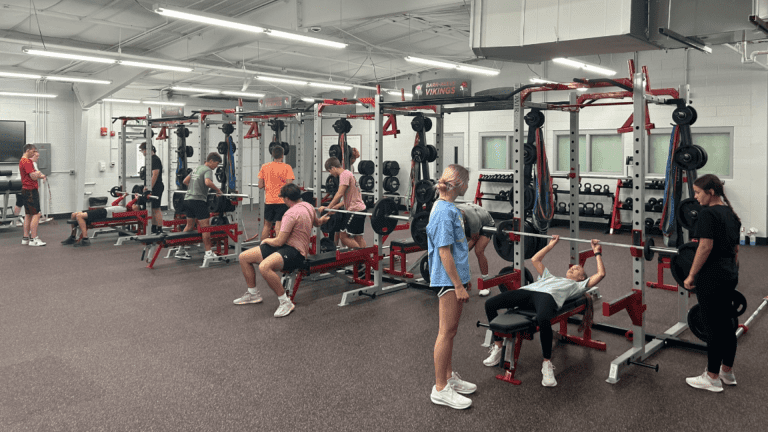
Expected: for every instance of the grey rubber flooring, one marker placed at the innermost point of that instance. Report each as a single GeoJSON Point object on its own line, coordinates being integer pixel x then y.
{"type": "Point", "coordinates": [90, 339]}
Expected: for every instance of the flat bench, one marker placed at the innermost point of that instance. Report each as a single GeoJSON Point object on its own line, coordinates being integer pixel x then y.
{"type": "Point", "coordinates": [399, 249]}
{"type": "Point", "coordinates": [520, 324]}
{"type": "Point", "coordinates": [220, 235]}
{"type": "Point", "coordinates": [326, 261]}
{"type": "Point", "coordinates": [121, 219]}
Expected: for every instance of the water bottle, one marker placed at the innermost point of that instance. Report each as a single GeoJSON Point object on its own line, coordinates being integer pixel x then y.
{"type": "Point", "coordinates": [741, 236]}
{"type": "Point", "coordinates": [752, 236]}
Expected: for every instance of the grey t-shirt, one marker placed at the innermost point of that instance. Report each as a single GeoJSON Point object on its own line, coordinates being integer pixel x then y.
{"type": "Point", "coordinates": [476, 217]}
{"type": "Point", "coordinates": [111, 210]}
{"type": "Point", "coordinates": [197, 188]}
{"type": "Point", "coordinates": [558, 287]}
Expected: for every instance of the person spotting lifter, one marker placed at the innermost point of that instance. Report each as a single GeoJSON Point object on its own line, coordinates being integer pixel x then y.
{"type": "Point", "coordinates": [286, 252]}
{"type": "Point", "coordinates": [714, 274]}
{"type": "Point", "coordinates": [449, 274]}
{"type": "Point", "coordinates": [545, 296]}
{"type": "Point", "coordinates": [353, 226]}
{"type": "Point", "coordinates": [272, 177]}
{"type": "Point", "coordinates": [196, 202]}
{"type": "Point", "coordinates": [478, 218]}
{"type": "Point", "coordinates": [156, 187]}
{"type": "Point", "coordinates": [30, 196]}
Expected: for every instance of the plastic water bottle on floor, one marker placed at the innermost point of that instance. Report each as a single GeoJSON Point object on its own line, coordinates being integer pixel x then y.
{"type": "Point", "coordinates": [752, 236]}
{"type": "Point", "coordinates": [742, 237]}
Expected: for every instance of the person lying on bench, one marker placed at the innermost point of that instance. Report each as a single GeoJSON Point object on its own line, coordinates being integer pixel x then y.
{"type": "Point", "coordinates": [95, 215]}
{"type": "Point", "coordinates": [286, 252]}
{"type": "Point", "coordinates": [546, 296]}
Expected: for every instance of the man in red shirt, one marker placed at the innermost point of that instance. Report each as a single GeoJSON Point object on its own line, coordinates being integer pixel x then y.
{"type": "Point", "coordinates": [30, 196]}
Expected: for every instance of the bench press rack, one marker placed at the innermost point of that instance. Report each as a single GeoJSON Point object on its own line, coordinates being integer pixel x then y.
{"type": "Point", "coordinates": [220, 236]}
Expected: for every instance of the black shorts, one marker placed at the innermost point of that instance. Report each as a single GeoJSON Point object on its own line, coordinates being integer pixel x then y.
{"type": "Point", "coordinates": [274, 212]}
{"type": "Point", "coordinates": [353, 224]}
{"type": "Point", "coordinates": [292, 258]}
{"type": "Point", "coordinates": [19, 200]}
{"type": "Point", "coordinates": [196, 209]}
{"type": "Point", "coordinates": [31, 199]}
{"type": "Point", "coordinates": [158, 192]}
{"type": "Point", "coordinates": [445, 289]}
{"type": "Point", "coordinates": [96, 215]}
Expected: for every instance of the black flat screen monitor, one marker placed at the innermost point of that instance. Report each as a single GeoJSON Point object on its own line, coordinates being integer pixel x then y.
{"type": "Point", "coordinates": [13, 136]}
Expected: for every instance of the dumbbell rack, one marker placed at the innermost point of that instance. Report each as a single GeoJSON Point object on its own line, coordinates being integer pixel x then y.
{"type": "Point", "coordinates": [620, 205]}
{"type": "Point", "coordinates": [483, 196]}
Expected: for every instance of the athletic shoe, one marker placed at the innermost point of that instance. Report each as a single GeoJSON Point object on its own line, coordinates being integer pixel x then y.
{"type": "Point", "coordinates": [25, 240]}
{"type": "Point", "coordinates": [728, 378]}
{"type": "Point", "coordinates": [209, 254]}
{"type": "Point", "coordinates": [84, 242]}
{"type": "Point", "coordinates": [182, 254]}
{"type": "Point", "coordinates": [495, 355]}
{"type": "Point", "coordinates": [35, 242]}
{"type": "Point", "coordinates": [704, 382]}
{"type": "Point", "coordinates": [249, 298]}
{"type": "Point", "coordinates": [20, 222]}
{"type": "Point", "coordinates": [548, 372]}
{"type": "Point", "coordinates": [284, 309]}
{"type": "Point", "coordinates": [484, 292]}
{"type": "Point", "coordinates": [448, 397]}
{"type": "Point", "coordinates": [461, 386]}
{"type": "Point", "coordinates": [70, 240]}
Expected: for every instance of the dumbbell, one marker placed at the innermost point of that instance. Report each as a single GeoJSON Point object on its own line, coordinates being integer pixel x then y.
{"type": "Point", "coordinates": [627, 204]}
{"type": "Point", "coordinates": [648, 223]}
{"type": "Point", "coordinates": [659, 205]}
{"type": "Point", "coordinates": [650, 204]}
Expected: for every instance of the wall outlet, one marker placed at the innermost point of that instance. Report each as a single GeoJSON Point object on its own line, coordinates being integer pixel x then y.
{"type": "Point", "coordinates": [71, 172]}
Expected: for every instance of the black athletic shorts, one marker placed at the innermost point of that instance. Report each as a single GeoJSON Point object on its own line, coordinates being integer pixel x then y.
{"type": "Point", "coordinates": [158, 192]}
{"type": "Point", "coordinates": [96, 215]}
{"type": "Point", "coordinates": [31, 201]}
{"type": "Point", "coordinates": [196, 209]}
{"type": "Point", "coordinates": [353, 224]}
{"type": "Point", "coordinates": [19, 200]}
{"type": "Point", "coordinates": [274, 212]}
{"type": "Point", "coordinates": [445, 289]}
{"type": "Point", "coordinates": [292, 258]}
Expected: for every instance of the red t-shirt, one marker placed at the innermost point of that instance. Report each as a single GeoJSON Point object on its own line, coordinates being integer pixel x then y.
{"type": "Point", "coordinates": [27, 167]}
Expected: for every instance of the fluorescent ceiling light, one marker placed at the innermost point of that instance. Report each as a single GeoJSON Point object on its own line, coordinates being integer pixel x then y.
{"type": "Point", "coordinates": [207, 19]}
{"type": "Point", "coordinates": [310, 100]}
{"type": "Point", "coordinates": [451, 65]}
{"type": "Point", "coordinates": [39, 95]}
{"type": "Point", "coordinates": [242, 94]}
{"type": "Point", "coordinates": [121, 100]}
{"type": "Point", "coordinates": [435, 63]}
{"type": "Point", "coordinates": [196, 90]}
{"type": "Point", "coordinates": [154, 66]}
{"type": "Point", "coordinates": [582, 89]}
{"type": "Point", "coordinates": [542, 81]}
{"type": "Point", "coordinates": [306, 39]}
{"type": "Point", "coordinates": [397, 93]}
{"type": "Point", "coordinates": [163, 103]}
{"type": "Point", "coordinates": [281, 80]}
{"type": "Point", "coordinates": [585, 66]}
{"type": "Point", "coordinates": [69, 56]}
{"type": "Point", "coordinates": [479, 70]}
{"type": "Point", "coordinates": [216, 20]}
{"type": "Point", "coordinates": [78, 80]}
{"type": "Point", "coordinates": [331, 86]}
{"type": "Point", "coordinates": [19, 75]}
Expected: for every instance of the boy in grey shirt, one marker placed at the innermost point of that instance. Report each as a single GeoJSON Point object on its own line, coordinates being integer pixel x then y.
{"type": "Point", "coordinates": [196, 201]}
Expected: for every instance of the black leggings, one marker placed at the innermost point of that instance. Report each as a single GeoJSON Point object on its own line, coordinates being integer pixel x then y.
{"type": "Point", "coordinates": [714, 296]}
{"type": "Point", "coordinates": [543, 303]}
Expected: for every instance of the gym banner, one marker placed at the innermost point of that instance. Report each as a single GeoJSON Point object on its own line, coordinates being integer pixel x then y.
{"type": "Point", "coordinates": [270, 103]}
{"type": "Point", "coordinates": [443, 89]}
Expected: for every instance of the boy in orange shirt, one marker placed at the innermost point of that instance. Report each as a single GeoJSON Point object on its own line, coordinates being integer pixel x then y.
{"type": "Point", "coordinates": [272, 177]}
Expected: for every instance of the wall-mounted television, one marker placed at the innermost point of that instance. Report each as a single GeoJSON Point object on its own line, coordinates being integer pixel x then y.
{"type": "Point", "coordinates": [13, 136]}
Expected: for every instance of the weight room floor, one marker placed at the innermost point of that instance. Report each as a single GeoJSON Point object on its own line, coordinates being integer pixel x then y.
{"type": "Point", "coordinates": [92, 340]}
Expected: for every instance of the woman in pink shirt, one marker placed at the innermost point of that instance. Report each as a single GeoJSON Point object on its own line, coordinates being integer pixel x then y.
{"type": "Point", "coordinates": [353, 226]}
{"type": "Point", "coordinates": [286, 252]}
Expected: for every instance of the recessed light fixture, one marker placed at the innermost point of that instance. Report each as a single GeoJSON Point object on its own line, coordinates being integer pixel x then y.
{"type": "Point", "coordinates": [585, 66]}
{"type": "Point", "coordinates": [443, 64]}
{"type": "Point", "coordinates": [37, 95]}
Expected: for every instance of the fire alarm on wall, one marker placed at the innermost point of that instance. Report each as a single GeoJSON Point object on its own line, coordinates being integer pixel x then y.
{"type": "Point", "coordinates": [103, 131]}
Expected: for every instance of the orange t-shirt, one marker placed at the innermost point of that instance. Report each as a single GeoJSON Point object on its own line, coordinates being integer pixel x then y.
{"type": "Point", "coordinates": [275, 176]}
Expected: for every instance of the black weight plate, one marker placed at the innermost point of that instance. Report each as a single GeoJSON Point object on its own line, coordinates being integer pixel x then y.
{"type": "Point", "coordinates": [368, 200]}
{"type": "Point", "coordinates": [220, 175]}
{"type": "Point", "coordinates": [697, 326]}
{"type": "Point", "coordinates": [227, 129]}
{"type": "Point", "coordinates": [420, 153]}
{"type": "Point", "coordinates": [213, 203]}
{"type": "Point", "coordinates": [367, 183]}
{"type": "Point", "coordinates": [510, 269]}
{"type": "Point", "coordinates": [327, 245]}
{"type": "Point", "coordinates": [190, 151]}
{"type": "Point", "coordinates": [391, 184]}
{"type": "Point", "coordinates": [682, 116]}
{"type": "Point", "coordinates": [681, 262]}
{"type": "Point", "coordinates": [702, 155]}
{"type": "Point", "coordinates": [144, 133]}
{"type": "Point", "coordinates": [419, 229]}
{"type": "Point", "coordinates": [501, 243]}
{"type": "Point", "coordinates": [688, 213]}
{"type": "Point", "coordinates": [308, 196]}
{"type": "Point", "coordinates": [417, 124]}
{"type": "Point", "coordinates": [221, 147]}
{"type": "Point", "coordinates": [335, 151]}
{"type": "Point", "coordinates": [366, 167]}
{"type": "Point", "coordinates": [286, 148]}
{"type": "Point", "coordinates": [739, 303]}
{"type": "Point", "coordinates": [115, 190]}
{"type": "Point", "coordinates": [391, 168]}
{"type": "Point", "coordinates": [380, 222]}
{"type": "Point", "coordinates": [647, 252]}
{"type": "Point", "coordinates": [529, 154]}
{"type": "Point", "coordinates": [178, 202]}
{"type": "Point", "coordinates": [687, 157]}
{"type": "Point", "coordinates": [424, 268]}
{"type": "Point", "coordinates": [137, 189]}
{"type": "Point", "coordinates": [530, 197]}
{"type": "Point", "coordinates": [331, 184]}
{"type": "Point", "coordinates": [143, 173]}
{"type": "Point", "coordinates": [427, 124]}
{"type": "Point", "coordinates": [534, 119]}
{"type": "Point", "coordinates": [425, 191]}
{"type": "Point", "coordinates": [432, 153]}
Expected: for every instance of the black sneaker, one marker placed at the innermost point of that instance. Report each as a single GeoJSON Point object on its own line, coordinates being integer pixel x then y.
{"type": "Point", "coordinates": [84, 242]}
{"type": "Point", "coordinates": [70, 240]}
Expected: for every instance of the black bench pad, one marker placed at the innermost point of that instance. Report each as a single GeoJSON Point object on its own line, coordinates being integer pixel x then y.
{"type": "Point", "coordinates": [518, 320]}
{"type": "Point", "coordinates": [406, 243]}
{"type": "Point", "coordinates": [154, 238]}
{"type": "Point", "coordinates": [320, 259]}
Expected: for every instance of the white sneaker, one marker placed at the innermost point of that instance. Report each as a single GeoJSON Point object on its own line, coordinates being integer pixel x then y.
{"type": "Point", "coordinates": [284, 309]}
{"type": "Point", "coordinates": [704, 382]}
{"type": "Point", "coordinates": [20, 222]}
{"type": "Point", "coordinates": [448, 397]}
{"type": "Point", "coordinates": [182, 254]}
{"type": "Point", "coordinates": [36, 242]}
{"type": "Point", "coordinates": [484, 292]}
{"type": "Point", "coordinates": [495, 355]}
{"type": "Point", "coordinates": [209, 254]}
{"type": "Point", "coordinates": [728, 378]}
{"type": "Point", "coordinates": [248, 298]}
{"type": "Point", "coordinates": [548, 372]}
{"type": "Point", "coordinates": [25, 240]}
{"type": "Point", "coordinates": [461, 386]}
